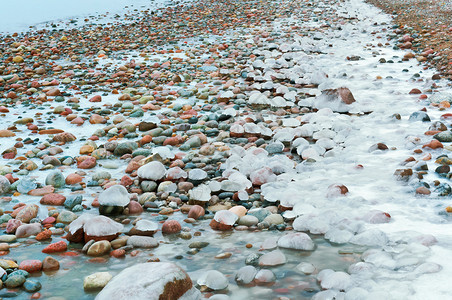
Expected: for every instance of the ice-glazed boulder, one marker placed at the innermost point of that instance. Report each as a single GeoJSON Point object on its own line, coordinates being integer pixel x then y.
{"type": "Point", "coordinates": [213, 280]}
{"type": "Point", "coordinates": [144, 227]}
{"type": "Point", "coordinates": [223, 220]}
{"type": "Point", "coordinates": [152, 281]}
{"type": "Point", "coordinates": [153, 170]}
{"type": "Point", "coordinates": [113, 200]}
{"type": "Point", "coordinates": [90, 227]}
{"type": "Point", "coordinates": [200, 195]}
{"type": "Point", "coordinates": [297, 241]}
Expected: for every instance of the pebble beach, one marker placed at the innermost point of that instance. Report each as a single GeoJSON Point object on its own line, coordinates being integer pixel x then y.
{"type": "Point", "coordinates": [227, 150]}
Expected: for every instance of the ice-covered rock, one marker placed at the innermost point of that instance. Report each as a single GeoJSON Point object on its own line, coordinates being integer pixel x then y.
{"type": "Point", "coordinates": [176, 173]}
{"type": "Point", "coordinates": [338, 236]}
{"type": "Point", "coordinates": [336, 280]}
{"type": "Point", "coordinates": [223, 220]}
{"type": "Point", "coordinates": [306, 268]}
{"type": "Point", "coordinates": [245, 275]}
{"type": "Point", "coordinates": [90, 227]}
{"type": "Point", "coordinates": [273, 258]}
{"type": "Point", "coordinates": [297, 241]}
{"type": "Point", "coordinates": [264, 276]}
{"type": "Point", "coordinates": [115, 195]}
{"type": "Point", "coordinates": [371, 237]}
{"type": "Point", "coordinates": [154, 281]}
{"type": "Point", "coordinates": [144, 227]}
{"type": "Point", "coordinates": [214, 280]}
{"type": "Point", "coordinates": [262, 176]}
{"type": "Point", "coordinates": [153, 170]}
{"type": "Point", "coordinates": [200, 193]}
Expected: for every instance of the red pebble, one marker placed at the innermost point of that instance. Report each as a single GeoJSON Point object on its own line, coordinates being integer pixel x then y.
{"type": "Point", "coordinates": [60, 246]}
{"type": "Point", "coordinates": [31, 265]}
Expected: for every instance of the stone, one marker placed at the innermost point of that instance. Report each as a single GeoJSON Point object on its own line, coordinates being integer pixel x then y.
{"type": "Point", "coordinates": [50, 264]}
{"type": "Point", "coordinates": [15, 281]}
{"type": "Point", "coordinates": [153, 170]}
{"type": "Point", "coordinates": [60, 246]}
{"type": "Point", "coordinates": [142, 242]}
{"type": "Point", "coordinates": [273, 258]}
{"type": "Point", "coordinates": [214, 280]}
{"type": "Point", "coordinates": [171, 226]}
{"type": "Point", "coordinates": [4, 185]}
{"type": "Point", "coordinates": [99, 248]}
{"type": "Point", "coordinates": [274, 219]}
{"type": "Point", "coordinates": [96, 281]}
{"type": "Point", "coordinates": [55, 179]}
{"type": "Point", "coordinates": [154, 280]}
{"type": "Point", "coordinates": [53, 199]}
{"type": "Point", "coordinates": [32, 286]}
{"type": "Point", "coordinates": [31, 266]}
{"type": "Point", "coordinates": [27, 230]}
{"type": "Point", "coordinates": [66, 217]}
{"type": "Point", "coordinates": [29, 212]}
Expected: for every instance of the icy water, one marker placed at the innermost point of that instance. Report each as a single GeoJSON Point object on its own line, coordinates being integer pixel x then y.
{"type": "Point", "coordinates": [396, 252]}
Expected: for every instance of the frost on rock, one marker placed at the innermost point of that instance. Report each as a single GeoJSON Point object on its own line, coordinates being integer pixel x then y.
{"type": "Point", "coordinates": [274, 258]}
{"type": "Point", "coordinates": [101, 226]}
{"type": "Point", "coordinates": [338, 236]}
{"type": "Point", "coordinates": [297, 241]}
{"type": "Point", "coordinates": [225, 217]}
{"type": "Point", "coordinates": [214, 280]}
{"type": "Point", "coordinates": [245, 275]}
{"type": "Point", "coordinates": [176, 173]}
{"type": "Point", "coordinates": [311, 223]}
{"type": "Point", "coordinates": [371, 237]}
{"type": "Point", "coordinates": [115, 195]}
{"type": "Point", "coordinates": [153, 170]}
{"type": "Point", "coordinates": [146, 225]}
{"type": "Point", "coordinates": [200, 193]}
{"type": "Point", "coordinates": [336, 280]}
{"type": "Point", "coordinates": [154, 281]}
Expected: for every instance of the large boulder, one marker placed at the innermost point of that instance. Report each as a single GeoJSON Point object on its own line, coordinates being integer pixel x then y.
{"type": "Point", "coordinates": [152, 281]}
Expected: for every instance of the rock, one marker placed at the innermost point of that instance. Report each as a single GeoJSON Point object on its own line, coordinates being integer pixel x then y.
{"type": "Point", "coordinates": [44, 235]}
{"type": "Point", "coordinates": [419, 116]}
{"type": "Point", "coordinates": [336, 99]}
{"type": "Point", "coordinates": [113, 200]}
{"type": "Point", "coordinates": [274, 219]}
{"type": "Point", "coordinates": [66, 217]}
{"type": "Point", "coordinates": [55, 179]}
{"type": "Point", "coordinates": [73, 179]}
{"type": "Point", "coordinates": [31, 266]}
{"type": "Point", "coordinates": [153, 170]}
{"type": "Point", "coordinates": [15, 281]}
{"type": "Point", "coordinates": [50, 264]}
{"type": "Point", "coordinates": [156, 280]}
{"type": "Point", "coordinates": [86, 162]}
{"type": "Point", "coordinates": [196, 212]}
{"type": "Point", "coordinates": [135, 208]}
{"type": "Point", "coordinates": [12, 225]}
{"type": "Point", "coordinates": [248, 220]}
{"type": "Point", "coordinates": [53, 199]}
{"type": "Point", "coordinates": [444, 136]}
{"type": "Point", "coordinates": [213, 280]}
{"type": "Point", "coordinates": [259, 213]}
{"type": "Point", "coordinates": [297, 241]}
{"type": "Point", "coordinates": [6, 133]}
{"type": "Point", "coordinates": [125, 148]}
{"type": "Point", "coordinates": [96, 281]}
{"type": "Point", "coordinates": [27, 230]}
{"type": "Point", "coordinates": [4, 185]}
{"type": "Point", "coordinates": [88, 227]}
{"type": "Point", "coordinates": [64, 137]}
{"type": "Point", "coordinates": [29, 212]}
{"type": "Point", "coordinates": [336, 280]}
{"type": "Point", "coordinates": [8, 264]}
{"type": "Point", "coordinates": [264, 277]}
{"type": "Point", "coordinates": [60, 246]}
{"type": "Point", "coordinates": [223, 220]}
{"type": "Point", "coordinates": [306, 268]}
{"type": "Point", "coordinates": [48, 189]}
{"type": "Point", "coordinates": [142, 242]}
{"type": "Point", "coordinates": [239, 210]}
{"type": "Point", "coordinates": [32, 286]}
{"type": "Point", "coordinates": [273, 258]}
{"type": "Point", "coordinates": [144, 227]}
{"type": "Point", "coordinates": [99, 248]}
{"type": "Point", "coordinates": [245, 275]}
{"type": "Point", "coordinates": [171, 226]}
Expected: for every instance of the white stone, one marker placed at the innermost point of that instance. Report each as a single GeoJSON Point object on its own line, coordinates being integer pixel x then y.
{"type": "Point", "coordinates": [297, 241]}
{"type": "Point", "coordinates": [214, 280]}
{"type": "Point", "coordinates": [153, 170]}
{"type": "Point", "coordinates": [115, 195]}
